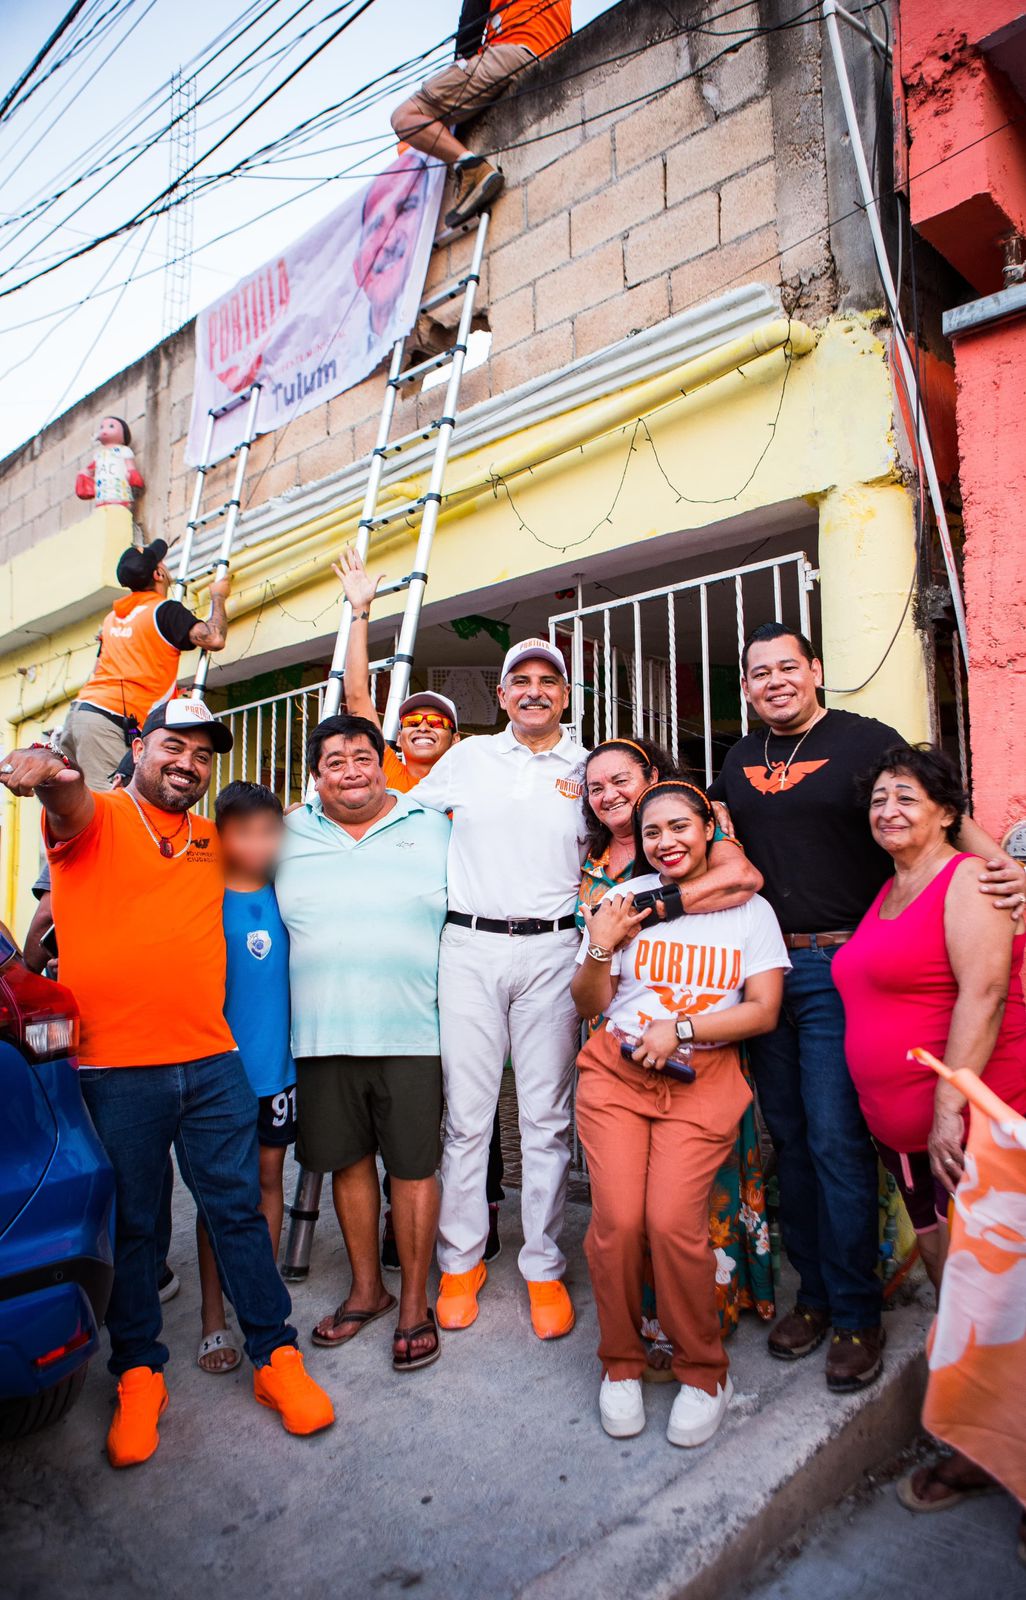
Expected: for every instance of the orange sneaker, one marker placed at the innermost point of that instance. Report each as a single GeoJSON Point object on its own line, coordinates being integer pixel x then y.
{"type": "Point", "coordinates": [456, 1306]}
{"type": "Point", "coordinates": [552, 1312]}
{"type": "Point", "coordinates": [285, 1386]}
{"type": "Point", "coordinates": [142, 1400]}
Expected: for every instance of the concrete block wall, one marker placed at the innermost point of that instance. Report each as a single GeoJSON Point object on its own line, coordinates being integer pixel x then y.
{"type": "Point", "coordinates": [648, 168]}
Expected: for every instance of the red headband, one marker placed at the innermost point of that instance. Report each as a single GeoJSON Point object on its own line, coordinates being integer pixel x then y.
{"type": "Point", "coordinates": [608, 744]}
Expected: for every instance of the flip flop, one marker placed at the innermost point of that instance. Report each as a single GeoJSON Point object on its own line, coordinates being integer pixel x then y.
{"type": "Point", "coordinates": [220, 1339]}
{"type": "Point", "coordinates": [912, 1501]}
{"type": "Point", "coordinates": [363, 1319]}
{"type": "Point", "coordinates": [408, 1363]}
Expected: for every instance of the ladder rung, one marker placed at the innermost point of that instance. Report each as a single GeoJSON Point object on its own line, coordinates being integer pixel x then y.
{"type": "Point", "coordinates": [408, 508]}
{"type": "Point", "coordinates": [384, 665]}
{"type": "Point", "coordinates": [232, 404]}
{"type": "Point", "coordinates": [395, 587]}
{"type": "Point", "coordinates": [441, 296]}
{"type": "Point", "coordinates": [396, 446]}
{"type": "Point", "coordinates": [450, 235]}
{"type": "Point", "coordinates": [212, 516]}
{"type": "Point", "coordinates": [422, 367]}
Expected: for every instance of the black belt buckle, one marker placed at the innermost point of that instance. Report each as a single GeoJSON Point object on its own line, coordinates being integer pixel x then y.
{"type": "Point", "coordinates": [526, 925]}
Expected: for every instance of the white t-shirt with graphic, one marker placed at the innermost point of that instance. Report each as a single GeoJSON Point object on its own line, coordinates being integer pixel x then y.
{"type": "Point", "coordinates": [695, 964]}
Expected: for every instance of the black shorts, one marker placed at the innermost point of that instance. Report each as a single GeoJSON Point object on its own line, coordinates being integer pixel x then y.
{"type": "Point", "coordinates": [351, 1107]}
{"type": "Point", "coordinates": [276, 1118]}
{"type": "Point", "coordinates": [926, 1200]}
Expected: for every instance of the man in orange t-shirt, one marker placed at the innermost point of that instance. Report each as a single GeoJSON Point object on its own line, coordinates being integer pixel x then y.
{"type": "Point", "coordinates": [496, 40]}
{"type": "Point", "coordinates": [137, 896]}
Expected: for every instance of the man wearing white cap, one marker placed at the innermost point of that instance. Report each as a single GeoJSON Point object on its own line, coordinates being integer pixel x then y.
{"type": "Point", "coordinates": [506, 960]}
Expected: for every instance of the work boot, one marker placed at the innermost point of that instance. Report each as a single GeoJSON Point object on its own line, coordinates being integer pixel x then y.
{"type": "Point", "coordinates": [456, 1306]}
{"type": "Point", "coordinates": [855, 1358]}
{"type": "Point", "coordinates": [798, 1333]}
{"type": "Point", "coordinates": [493, 1245]}
{"type": "Point", "coordinates": [389, 1248]}
{"type": "Point", "coordinates": [285, 1386]}
{"type": "Point", "coordinates": [477, 185]}
{"type": "Point", "coordinates": [552, 1314]}
{"type": "Point", "coordinates": [142, 1399]}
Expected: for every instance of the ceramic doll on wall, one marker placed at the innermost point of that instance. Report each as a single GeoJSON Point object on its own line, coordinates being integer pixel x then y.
{"type": "Point", "coordinates": [112, 477]}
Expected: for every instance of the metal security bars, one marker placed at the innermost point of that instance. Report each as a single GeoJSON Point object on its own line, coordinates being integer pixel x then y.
{"type": "Point", "coordinates": [270, 743]}
{"type": "Point", "coordinates": [665, 664]}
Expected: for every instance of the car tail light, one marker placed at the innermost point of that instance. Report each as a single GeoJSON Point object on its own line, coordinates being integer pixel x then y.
{"type": "Point", "coordinates": [36, 1014]}
{"type": "Point", "coordinates": [76, 1342]}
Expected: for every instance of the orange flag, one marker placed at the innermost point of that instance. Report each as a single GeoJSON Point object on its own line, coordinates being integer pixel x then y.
{"type": "Point", "coordinates": [977, 1346]}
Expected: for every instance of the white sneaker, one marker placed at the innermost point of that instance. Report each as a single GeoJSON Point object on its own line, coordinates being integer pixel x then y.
{"type": "Point", "coordinates": [696, 1415]}
{"type": "Point", "coordinates": [621, 1407]}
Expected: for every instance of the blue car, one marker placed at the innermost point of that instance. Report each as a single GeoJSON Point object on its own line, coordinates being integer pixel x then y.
{"type": "Point", "coordinates": [56, 1204]}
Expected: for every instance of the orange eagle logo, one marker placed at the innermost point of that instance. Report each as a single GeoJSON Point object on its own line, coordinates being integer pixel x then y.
{"type": "Point", "coordinates": [683, 1001]}
{"type": "Point", "coordinates": [781, 777]}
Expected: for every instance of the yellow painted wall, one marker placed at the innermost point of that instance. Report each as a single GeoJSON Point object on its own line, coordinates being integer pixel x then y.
{"type": "Point", "coordinates": [825, 415]}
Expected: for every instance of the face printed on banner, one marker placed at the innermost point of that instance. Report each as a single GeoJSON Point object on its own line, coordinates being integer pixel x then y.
{"type": "Point", "coordinates": [388, 234]}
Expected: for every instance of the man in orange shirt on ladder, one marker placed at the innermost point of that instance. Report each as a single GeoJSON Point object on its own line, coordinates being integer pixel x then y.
{"type": "Point", "coordinates": [495, 40]}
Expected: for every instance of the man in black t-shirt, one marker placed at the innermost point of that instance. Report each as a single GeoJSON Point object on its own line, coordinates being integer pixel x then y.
{"type": "Point", "coordinates": [790, 790]}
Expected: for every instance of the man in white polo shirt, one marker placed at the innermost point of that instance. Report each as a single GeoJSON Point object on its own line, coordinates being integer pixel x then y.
{"type": "Point", "coordinates": [507, 957]}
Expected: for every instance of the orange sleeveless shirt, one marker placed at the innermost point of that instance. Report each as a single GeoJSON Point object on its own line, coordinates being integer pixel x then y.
{"type": "Point", "coordinates": [137, 667]}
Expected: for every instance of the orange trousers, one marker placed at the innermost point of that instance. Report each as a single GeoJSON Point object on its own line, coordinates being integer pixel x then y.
{"type": "Point", "coordinates": [654, 1147]}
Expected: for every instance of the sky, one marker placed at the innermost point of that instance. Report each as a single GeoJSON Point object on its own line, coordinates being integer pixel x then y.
{"type": "Point", "coordinates": [63, 335]}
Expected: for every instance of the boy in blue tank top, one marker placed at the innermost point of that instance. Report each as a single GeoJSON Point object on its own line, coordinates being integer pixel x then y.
{"type": "Point", "coordinates": [250, 826]}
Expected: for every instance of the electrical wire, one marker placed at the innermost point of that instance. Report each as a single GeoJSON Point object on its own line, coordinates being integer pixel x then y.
{"type": "Point", "coordinates": [37, 60]}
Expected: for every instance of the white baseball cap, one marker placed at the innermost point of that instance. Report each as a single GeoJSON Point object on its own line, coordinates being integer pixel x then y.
{"type": "Point", "coordinates": [428, 700]}
{"type": "Point", "coordinates": [533, 650]}
{"type": "Point", "coordinates": [188, 715]}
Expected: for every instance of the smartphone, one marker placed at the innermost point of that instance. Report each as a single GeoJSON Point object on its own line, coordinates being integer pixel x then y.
{"type": "Point", "coordinates": [682, 1071]}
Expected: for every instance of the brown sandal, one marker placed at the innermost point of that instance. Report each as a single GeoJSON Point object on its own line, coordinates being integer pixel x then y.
{"type": "Point", "coordinates": [362, 1319]}
{"type": "Point", "coordinates": [409, 1362]}
{"type": "Point", "coordinates": [958, 1489]}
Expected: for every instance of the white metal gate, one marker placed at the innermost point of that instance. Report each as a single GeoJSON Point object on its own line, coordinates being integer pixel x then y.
{"type": "Point", "coordinates": [664, 664]}
{"type": "Point", "coordinates": [270, 743]}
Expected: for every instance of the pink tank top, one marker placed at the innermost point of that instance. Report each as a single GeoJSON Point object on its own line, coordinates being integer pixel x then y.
{"type": "Point", "coordinates": [898, 989]}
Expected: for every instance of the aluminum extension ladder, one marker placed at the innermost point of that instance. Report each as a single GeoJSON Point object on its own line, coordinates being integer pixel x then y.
{"type": "Point", "coordinates": [229, 509]}
{"type": "Point", "coordinates": [305, 1208]}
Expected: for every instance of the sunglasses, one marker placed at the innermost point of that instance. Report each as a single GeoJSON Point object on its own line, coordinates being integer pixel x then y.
{"type": "Point", "coordinates": [427, 719]}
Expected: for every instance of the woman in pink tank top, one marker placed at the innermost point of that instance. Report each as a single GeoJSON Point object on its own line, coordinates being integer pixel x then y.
{"type": "Point", "coordinates": [934, 964]}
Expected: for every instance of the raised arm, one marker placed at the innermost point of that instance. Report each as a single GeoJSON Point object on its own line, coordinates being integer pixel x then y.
{"type": "Point", "coordinates": [979, 947]}
{"type": "Point", "coordinates": [213, 633]}
{"type": "Point", "coordinates": [731, 879]}
{"type": "Point", "coordinates": [360, 590]}
{"type": "Point", "coordinates": [58, 786]}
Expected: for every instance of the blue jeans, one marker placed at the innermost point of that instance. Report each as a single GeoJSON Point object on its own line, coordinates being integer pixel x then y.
{"type": "Point", "coordinates": [826, 1162]}
{"type": "Point", "coordinates": [208, 1111]}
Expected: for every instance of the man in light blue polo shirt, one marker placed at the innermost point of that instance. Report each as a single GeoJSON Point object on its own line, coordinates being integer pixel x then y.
{"type": "Point", "coordinates": [362, 890]}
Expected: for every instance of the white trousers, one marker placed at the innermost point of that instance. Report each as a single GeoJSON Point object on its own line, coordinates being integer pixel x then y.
{"type": "Point", "coordinates": [502, 995]}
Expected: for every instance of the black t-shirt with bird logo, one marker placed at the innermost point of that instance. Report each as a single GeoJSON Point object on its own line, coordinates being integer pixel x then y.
{"type": "Point", "coordinates": [796, 814]}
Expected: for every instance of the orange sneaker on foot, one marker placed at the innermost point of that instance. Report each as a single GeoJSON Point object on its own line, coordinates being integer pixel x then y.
{"type": "Point", "coordinates": [552, 1312]}
{"type": "Point", "coordinates": [142, 1398]}
{"type": "Point", "coordinates": [285, 1386]}
{"type": "Point", "coordinates": [456, 1306]}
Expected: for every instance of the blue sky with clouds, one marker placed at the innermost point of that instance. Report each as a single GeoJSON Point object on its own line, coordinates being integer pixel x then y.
{"type": "Point", "coordinates": [67, 333]}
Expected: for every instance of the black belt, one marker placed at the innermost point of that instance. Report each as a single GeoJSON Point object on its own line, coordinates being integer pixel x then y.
{"type": "Point", "coordinates": [511, 925]}
{"type": "Point", "coordinates": [124, 723]}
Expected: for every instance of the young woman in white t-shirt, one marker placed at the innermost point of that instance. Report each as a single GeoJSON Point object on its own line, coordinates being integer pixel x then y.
{"type": "Point", "coordinates": [659, 1098]}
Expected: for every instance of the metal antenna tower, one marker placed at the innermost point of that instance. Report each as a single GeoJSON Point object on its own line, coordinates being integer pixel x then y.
{"type": "Point", "coordinates": [181, 154]}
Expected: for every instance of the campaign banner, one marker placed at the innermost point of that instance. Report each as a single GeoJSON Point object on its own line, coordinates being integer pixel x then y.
{"type": "Point", "coordinates": [324, 313]}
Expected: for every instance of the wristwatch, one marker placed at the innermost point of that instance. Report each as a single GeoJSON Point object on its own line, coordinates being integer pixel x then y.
{"type": "Point", "coordinates": [598, 952]}
{"type": "Point", "coordinates": [685, 1030]}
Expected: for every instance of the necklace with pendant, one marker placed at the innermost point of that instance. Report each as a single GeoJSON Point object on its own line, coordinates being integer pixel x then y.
{"type": "Point", "coordinates": [785, 766]}
{"type": "Point", "coordinates": [162, 841]}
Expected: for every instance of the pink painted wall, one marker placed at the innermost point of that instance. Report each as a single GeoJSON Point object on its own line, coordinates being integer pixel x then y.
{"type": "Point", "coordinates": [989, 368]}
{"type": "Point", "coordinates": [967, 165]}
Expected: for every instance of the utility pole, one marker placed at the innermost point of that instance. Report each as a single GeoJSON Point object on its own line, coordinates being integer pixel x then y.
{"type": "Point", "coordinates": [181, 157]}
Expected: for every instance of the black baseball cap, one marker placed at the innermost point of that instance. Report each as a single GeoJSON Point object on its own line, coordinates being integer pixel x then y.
{"type": "Point", "coordinates": [136, 567]}
{"type": "Point", "coordinates": [184, 715]}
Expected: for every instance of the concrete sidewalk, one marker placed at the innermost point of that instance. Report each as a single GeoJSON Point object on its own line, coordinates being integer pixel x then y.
{"type": "Point", "coordinates": [485, 1477]}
